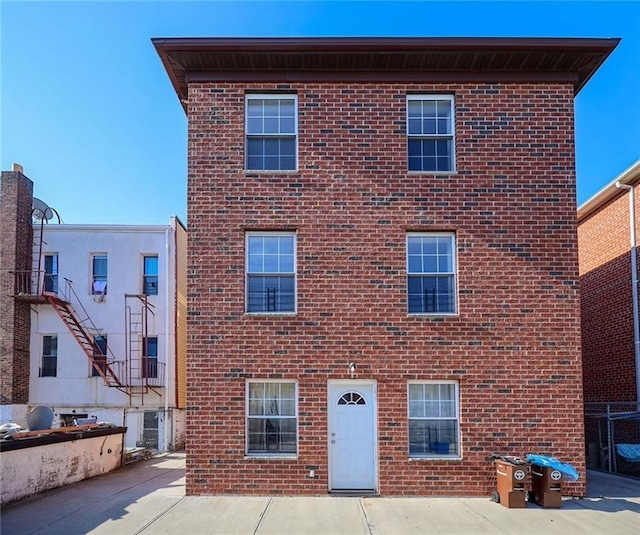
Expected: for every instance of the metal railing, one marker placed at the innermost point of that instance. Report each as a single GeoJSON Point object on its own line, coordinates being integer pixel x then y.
{"type": "Point", "coordinates": [156, 374]}
{"type": "Point", "coordinates": [28, 282]}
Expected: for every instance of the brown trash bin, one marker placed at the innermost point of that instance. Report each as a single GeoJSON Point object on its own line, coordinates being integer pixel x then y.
{"type": "Point", "coordinates": [546, 486]}
{"type": "Point", "coordinates": [510, 484]}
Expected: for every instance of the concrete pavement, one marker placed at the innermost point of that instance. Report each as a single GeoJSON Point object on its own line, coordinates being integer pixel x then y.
{"type": "Point", "coordinates": [148, 498]}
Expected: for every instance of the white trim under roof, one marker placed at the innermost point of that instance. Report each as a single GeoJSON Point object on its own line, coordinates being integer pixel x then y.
{"type": "Point", "coordinates": [629, 176]}
{"type": "Point", "coordinates": [64, 227]}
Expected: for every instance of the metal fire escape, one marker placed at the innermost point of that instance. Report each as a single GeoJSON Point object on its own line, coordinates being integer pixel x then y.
{"type": "Point", "coordinates": [30, 287]}
{"type": "Point", "coordinates": [138, 373]}
{"type": "Point", "coordinates": [139, 364]}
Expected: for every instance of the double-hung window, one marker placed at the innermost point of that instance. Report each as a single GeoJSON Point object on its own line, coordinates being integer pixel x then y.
{"type": "Point", "coordinates": [272, 417]}
{"type": "Point", "coordinates": [49, 366]}
{"type": "Point", "coordinates": [271, 272]}
{"type": "Point", "coordinates": [99, 274]}
{"type": "Point", "coordinates": [271, 129]}
{"type": "Point", "coordinates": [431, 273]}
{"type": "Point", "coordinates": [430, 133]}
{"type": "Point", "coordinates": [150, 276]}
{"type": "Point", "coordinates": [433, 419]}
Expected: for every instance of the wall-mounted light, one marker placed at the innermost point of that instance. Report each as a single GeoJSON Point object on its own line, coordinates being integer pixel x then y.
{"type": "Point", "coordinates": [352, 369]}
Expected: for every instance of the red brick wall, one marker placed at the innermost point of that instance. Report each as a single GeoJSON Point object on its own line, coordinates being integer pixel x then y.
{"type": "Point", "coordinates": [515, 345]}
{"type": "Point", "coordinates": [16, 198]}
{"type": "Point", "coordinates": [606, 300]}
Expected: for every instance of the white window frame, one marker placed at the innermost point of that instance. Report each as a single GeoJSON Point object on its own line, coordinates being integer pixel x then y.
{"type": "Point", "coordinates": [49, 356]}
{"type": "Point", "coordinates": [146, 358]}
{"type": "Point", "coordinates": [452, 136]}
{"type": "Point", "coordinates": [274, 233]}
{"type": "Point", "coordinates": [434, 455]}
{"type": "Point", "coordinates": [248, 134]}
{"type": "Point", "coordinates": [93, 279]}
{"type": "Point", "coordinates": [53, 275]}
{"type": "Point", "coordinates": [145, 274]}
{"type": "Point", "coordinates": [454, 273]}
{"type": "Point", "coordinates": [264, 454]}
{"type": "Point", "coordinates": [93, 372]}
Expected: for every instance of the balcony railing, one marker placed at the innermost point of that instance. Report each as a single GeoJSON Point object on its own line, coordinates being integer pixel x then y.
{"type": "Point", "coordinates": [133, 374]}
{"type": "Point", "coordinates": [32, 285]}
{"type": "Point", "coordinates": [28, 283]}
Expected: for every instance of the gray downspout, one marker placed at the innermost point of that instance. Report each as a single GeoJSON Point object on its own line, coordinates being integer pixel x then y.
{"type": "Point", "coordinates": [634, 282]}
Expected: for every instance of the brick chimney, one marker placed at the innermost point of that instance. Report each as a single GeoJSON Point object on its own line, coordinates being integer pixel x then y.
{"type": "Point", "coordinates": [16, 246]}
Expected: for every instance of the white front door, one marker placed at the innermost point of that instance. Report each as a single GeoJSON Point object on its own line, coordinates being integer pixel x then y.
{"type": "Point", "coordinates": [352, 444]}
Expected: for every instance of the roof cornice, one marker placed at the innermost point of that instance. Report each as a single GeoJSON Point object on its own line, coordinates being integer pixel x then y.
{"type": "Point", "coordinates": [419, 59]}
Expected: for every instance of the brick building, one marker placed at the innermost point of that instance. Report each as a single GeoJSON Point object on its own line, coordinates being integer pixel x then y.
{"type": "Point", "coordinates": [383, 260]}
{"type": "Point", "coordinates": [16, 197]}
{"type": "Point", "coordinates": [610, 347]}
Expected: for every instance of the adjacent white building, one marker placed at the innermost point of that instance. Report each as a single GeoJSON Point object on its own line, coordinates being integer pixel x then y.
{"type": "Point", "coordinates": [108, 327]}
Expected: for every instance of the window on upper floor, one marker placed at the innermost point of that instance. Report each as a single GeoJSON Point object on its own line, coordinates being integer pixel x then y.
{"type": "Point", "coordinates": [271, 272]}
{"type": "Point", "coordinates": [271, 129]}
{"type": "Point", "coordinates": [51, 273]}
{"type": "Point", "coordinates": [150, 275]}
{"type": "Point", "coordinates": [49, 365]}
{"type": "Point", "coordinates": [272, 409]}
{"type": "Point", "coordinates": [433, 419]}
{"type": "Point", "coordinates": [431, 273]}
{"type": "Point", "coordinates": [430, 133]}
{"type": "Point", "coordinates": [150, 357]}
{"type": "Point", "coordinates": [99, 274]}
{"type": "Point", "coordinates": [99, 355]}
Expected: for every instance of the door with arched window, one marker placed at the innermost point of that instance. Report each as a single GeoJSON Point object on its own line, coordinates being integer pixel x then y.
{"type": "Point", "coordinates": [352, 436]}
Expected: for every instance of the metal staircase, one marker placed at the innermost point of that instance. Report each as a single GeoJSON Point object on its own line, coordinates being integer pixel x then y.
{"type": "Point", "coordinates": [139, 372]}
{"type": "Point", "coordinates": [29, 287]}
{"type": "Point", "coordinates": [86, 341]}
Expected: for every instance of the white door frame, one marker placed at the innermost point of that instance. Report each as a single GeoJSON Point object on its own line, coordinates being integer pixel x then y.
{"type": "Point", "coordinates": [355, 383]}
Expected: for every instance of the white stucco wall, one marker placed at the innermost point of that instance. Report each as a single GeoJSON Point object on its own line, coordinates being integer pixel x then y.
{"type": "Point", "coordinates": [179, 429]}
{"type": "Point", "coordinates": [31, 470]}
{"type": "Point", "coordinates": [73, 389]}
{"type": "Point", "coordinates": [16, 414]}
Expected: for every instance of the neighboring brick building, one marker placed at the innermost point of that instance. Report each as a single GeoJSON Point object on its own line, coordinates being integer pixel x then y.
{"type": "Point", "coordinates": [608, 354]}
{"type": "Point", "coordinates": [16, 197]}
{"type": "Point", "coordinates": [383, 260]}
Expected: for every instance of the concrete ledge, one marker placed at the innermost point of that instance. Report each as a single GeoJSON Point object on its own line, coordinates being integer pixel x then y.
{"type": "Point", "coordinates": [43, 440]}
{"type": "Point", "coordinates": [35, 464]}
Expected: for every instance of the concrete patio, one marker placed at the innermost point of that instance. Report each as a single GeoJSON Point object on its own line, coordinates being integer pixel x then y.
{"type": "Point", "coordinates": [149, 498]}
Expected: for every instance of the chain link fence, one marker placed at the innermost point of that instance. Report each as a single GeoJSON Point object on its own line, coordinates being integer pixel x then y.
{"type": "Point", "coordinates": [612, 436]}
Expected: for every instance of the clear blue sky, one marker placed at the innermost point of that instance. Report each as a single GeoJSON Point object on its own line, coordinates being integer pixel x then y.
{"type": "Point", "coordinates": [89, 111]}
